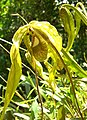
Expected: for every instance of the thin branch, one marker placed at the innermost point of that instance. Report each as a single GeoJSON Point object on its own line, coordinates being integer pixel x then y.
{"type": "Point", "coordinates": [39, 95]}
{"type": "Point", "coordinates": [20, 17]}
{"type": "Point", "coordinates": [4, 48]}
{"type": "Point", "coordinates": [69, 76]}
{"type": "Point", "coordinates": [73, 88]}
{"type": "Point", "coordinates": [3, 40]}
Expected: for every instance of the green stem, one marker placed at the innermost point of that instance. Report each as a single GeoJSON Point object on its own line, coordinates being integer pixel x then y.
{"type": "Point", "coordinates": [20, 17]}
{"type": "Point", "coordinates": [39, 95]}
{"type": "Point", "coordinates": [66, 68]}
{"type": "Point", "coordinates": [70, 78]}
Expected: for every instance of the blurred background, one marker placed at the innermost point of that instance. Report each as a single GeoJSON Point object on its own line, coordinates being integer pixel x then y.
{"type": "Point", "coordinates": [42, 10]}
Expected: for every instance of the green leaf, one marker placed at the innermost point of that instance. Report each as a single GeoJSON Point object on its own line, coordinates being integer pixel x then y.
{"type": "Point", "coordinates": [13, 77]}
{"type": "Point", "coordinates": [80, 6]}
{"type": "Point", "coordinates": [52, 81]}
{"type": "Point", "coordinates": [35, 109]}
{"type": "Point", "coordinates": [20, 34]}
{"type": "Point", "coordinates": [81, 15]}
{"type": "Point", "coordinates": [22, 116]}
{"type": "Point", "coordinates": [67, 19]}
{"type": "Point", "coordinates": [69, 26]}
{"type": "Point", "coordinates": [74, 65]}
{"type": "Point", "coordinates": [61, 113]}
{"type": "Point", "coordinates": [69, 22]}
{"type": "Point", "coordinates": [16, 67]}
{"type": "Point", "coordinates": [78, 21]}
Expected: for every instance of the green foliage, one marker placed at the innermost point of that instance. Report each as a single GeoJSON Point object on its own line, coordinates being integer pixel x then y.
{"type": "Point", "coordinates": [61, 113]}
{"type": "Point", "coordinates": [69, 26]}
{"type": "Point", "coordinates": [64, 95]}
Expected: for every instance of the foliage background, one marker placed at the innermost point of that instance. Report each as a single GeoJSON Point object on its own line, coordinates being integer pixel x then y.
{"type": "Point", "coordinates": [43, 10]}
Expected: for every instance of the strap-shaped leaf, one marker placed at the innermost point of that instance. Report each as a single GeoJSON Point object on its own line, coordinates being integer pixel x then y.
{"type": "Point", "coordinates": [69, 23]}
{"type": "Point", "coordinates": [19, 34]}
{"type": "Point", "coordinates": [67, 19]}
{"type": "Point", "coordinates": [80, 7]}
{"type": "Point", "coordinates": [77, 17]}
{"type": "Point", "coordinates": [13, 77]}
{"type": "Point", "coordinates": [15, 72]}
{"type": "Point", "coordinates": [16, 67]}
{"type": "Point", "coordinates": [73, 64]}
{"type": "Point", "coordinates": [69, 27]}
{"type": "Point", "coordinates": [81, 15]}
{"type": "Point", "coordinates": [78, 21]}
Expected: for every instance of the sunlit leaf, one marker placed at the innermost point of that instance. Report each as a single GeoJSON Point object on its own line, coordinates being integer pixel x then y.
{"type": "Point", "coordinates": [61, 113]}
{"type": "Point", "coordinates": [74, 65]}
{"type": "Point", "coordinates": [78, 21]}
{"type": "Point", "coordinates": [16, 67]}
{"type": "Point", "coordinates": [35, 109]}
{"type": "Point", "coordinates": [80, 7]}
{"type": "Point", "coordinates": [13, 77]}
{"type": "Point", "coordinates": [22, 116]}
{"type": "Point", "coordinates": [69, 26]}
{"type": "Point", "coordinates": [82, 16]}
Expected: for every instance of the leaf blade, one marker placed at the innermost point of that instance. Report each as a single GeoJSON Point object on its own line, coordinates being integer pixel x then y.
{"type": "Point", "coordinates": [13, 77]}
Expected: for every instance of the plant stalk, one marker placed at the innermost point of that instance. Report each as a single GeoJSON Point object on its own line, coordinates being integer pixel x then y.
{"type": "Point", "coordinates": [70, 78]}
